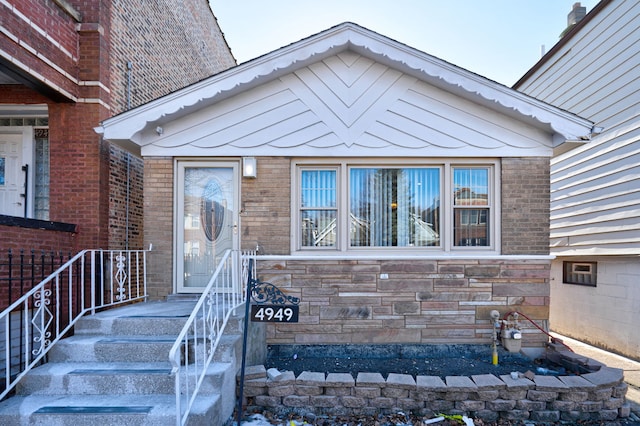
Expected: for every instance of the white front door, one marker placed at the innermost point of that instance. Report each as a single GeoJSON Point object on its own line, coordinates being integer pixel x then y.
{"type": "Point", "coordinates": [207, 220]}
{"type": "Point", "coordinates": [15, 146]}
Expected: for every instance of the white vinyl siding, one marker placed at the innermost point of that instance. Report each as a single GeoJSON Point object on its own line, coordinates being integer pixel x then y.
{"type": "Point", "coordinates": [595, 195]}
{"type": "Point", "coordinates": [595, 75]}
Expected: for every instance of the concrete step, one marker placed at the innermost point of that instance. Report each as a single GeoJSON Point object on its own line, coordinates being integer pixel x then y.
{"type": "Point", "coordinates": [115, 369]}
{"type": "Point", "coordinates": [80, 410]}
{"type": "Point", "coordinates": [157, 319]}
{"type": "Point", "coordinates": [94, 348]}
{"type": "Point", "coordinates": [137, 326]}
{"type": "Point", "coordinates": [229, 349]}
{"type": "Point", "coordinates": [150, 321]}
{"type": "Point", "coordinates": [115, 378]}
{"type": "Point", "coordinates": [236, 323]}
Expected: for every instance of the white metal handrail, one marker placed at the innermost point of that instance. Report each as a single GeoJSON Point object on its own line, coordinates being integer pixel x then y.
{"type": "Point", "coordinates": [194, 349]}
{"type": "Point", "coordinates": [91, 280]}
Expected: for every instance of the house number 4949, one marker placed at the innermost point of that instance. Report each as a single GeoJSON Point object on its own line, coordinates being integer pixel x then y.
{"type": "Point", "coordinates": [274, 313]}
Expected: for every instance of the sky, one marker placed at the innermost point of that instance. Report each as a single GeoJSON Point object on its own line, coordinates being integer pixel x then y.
{"type": "Point", "coordinates": [498, 39]}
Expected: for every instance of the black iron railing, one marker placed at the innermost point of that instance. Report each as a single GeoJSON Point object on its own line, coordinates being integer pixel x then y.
{"type": "Point", "coordinates": [21, 270]}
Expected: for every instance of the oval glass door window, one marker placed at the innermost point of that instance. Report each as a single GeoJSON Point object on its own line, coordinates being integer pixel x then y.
{"type": "Point", "coordinates": [212, 210]}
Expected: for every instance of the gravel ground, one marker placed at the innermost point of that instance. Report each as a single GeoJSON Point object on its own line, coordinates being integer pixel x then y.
{"type": "Point", "coordinates": [414, 366]}
{"type": "Point", "coordinates": [454, 362]}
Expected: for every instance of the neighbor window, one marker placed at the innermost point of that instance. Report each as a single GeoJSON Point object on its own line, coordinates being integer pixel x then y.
{"type": "Point", "coordinates": [352, 206]}
{"type": "Point", "coordinates": [582, 273]}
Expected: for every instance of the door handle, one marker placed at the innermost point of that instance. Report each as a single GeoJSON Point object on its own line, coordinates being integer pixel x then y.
{"type": "Point", "coordinates": [25, 169]}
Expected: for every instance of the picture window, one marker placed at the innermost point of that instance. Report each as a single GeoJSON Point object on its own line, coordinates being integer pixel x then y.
{"type": "Point", "coordinates": [357, 206]}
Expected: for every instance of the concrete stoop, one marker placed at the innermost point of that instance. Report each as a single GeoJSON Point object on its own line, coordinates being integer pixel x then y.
{"type": "Point", "coordinates": [116, 370]}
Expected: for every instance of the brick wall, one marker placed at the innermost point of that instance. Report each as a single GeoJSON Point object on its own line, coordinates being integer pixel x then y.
{"type": "Point", "coordinates": [79, 179]}
{"type": "Point", "coordinates": [171, 45]}
{"type": "Point", "coordinates": [57, 40]}
{"type": "Point", "coordinates": [16, 238]}
{"type": "Point", "coordinates": [158, 224]}
{"type": "Point", "coordinates": [79, 168]}
{"type": "Point", "coordinates": [525, 206]}
{"type": "Point", "coordinates": [125, 200]}
{"type": "Point", "coordinates": [182, 45]}
{"type": "Point", "coordinates": [266, 211]}
{"type": "Point", "coordinates": [265, 214]}
{"type": "Point", "coordinates": [346, 301]}
{"type": "Point", "coordinates": [21, 270]}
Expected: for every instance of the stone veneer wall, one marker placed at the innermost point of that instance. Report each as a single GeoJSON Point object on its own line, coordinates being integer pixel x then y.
{"type": "Point", "coordinates": [419, 301]}
{"type": "Point", "coordinates": [594, 396]}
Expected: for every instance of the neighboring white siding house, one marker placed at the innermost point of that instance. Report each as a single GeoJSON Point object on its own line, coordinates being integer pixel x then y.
{"type": "Point", "coordinates": [594, 72]}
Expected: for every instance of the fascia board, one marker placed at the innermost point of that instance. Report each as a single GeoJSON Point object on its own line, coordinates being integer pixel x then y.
{"type": "Point", "coordinates": [340, 151]}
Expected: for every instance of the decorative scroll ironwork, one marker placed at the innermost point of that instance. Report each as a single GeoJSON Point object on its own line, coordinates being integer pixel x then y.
{"type": "Point", "coordinates": [211, 319]}
{"type": "Point", "coordinates": [121, 277]}
{"type": "Point", "coordinates": [42, 319]}
{"type": "Point", "coordinates": [263, 292]}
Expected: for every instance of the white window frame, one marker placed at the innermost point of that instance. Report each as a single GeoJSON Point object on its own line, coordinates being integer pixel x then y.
{"type": "Point", "coordinates": [446, 205]}
{"type": "Point", "coordinates": [490, 201]}
{"type": "Point", "coordinates": [339, 202]}
{"type": "Point", "coordinates": [584, 273]}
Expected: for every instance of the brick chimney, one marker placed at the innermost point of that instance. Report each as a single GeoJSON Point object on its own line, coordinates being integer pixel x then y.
{"type": "Point", "coordinates": [577, 13]}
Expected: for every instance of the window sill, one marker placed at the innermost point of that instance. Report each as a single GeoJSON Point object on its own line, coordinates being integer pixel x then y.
{"type": "Point", "coordinates": [403, 256]}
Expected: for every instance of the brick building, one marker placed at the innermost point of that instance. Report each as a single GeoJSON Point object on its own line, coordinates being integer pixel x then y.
{"type": "Point", "coordinates": [66, 65]}
{"type": "Point", "coordinates": [401, 198]}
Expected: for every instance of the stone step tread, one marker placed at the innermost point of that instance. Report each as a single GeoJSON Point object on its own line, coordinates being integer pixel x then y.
{"type": "Point", "coordinates": [115, 378]}
{"type": "Point", "coordinates": [143, 325]}
{"type": "Point", "coordinates": [85, 348]}
{"type": "Point", "coordinates": [147, 405]}
{"type": "Point", "coordinates": [139, 341]}
{"type": "Point", "coordinates": [97, 338]}
{"type": "Point", "coordinates": [106, 339]}
{"type": "Point", "coordinates": [113, 368]}
{"type": "Point", "coordinates": [165, 318]}
{"type": "Point", "coordinates": [149, 309]}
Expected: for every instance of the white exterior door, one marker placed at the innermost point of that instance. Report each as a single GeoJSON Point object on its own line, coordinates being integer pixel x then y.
{"type": "Point", "coordinates": [15, 148]}
{"type": "Point", "coordinates": [207, 220]}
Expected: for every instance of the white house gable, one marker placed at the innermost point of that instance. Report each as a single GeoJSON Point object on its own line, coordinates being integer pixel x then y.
{"type": "Point", "coordinates": [340, 106]}
{"type": "Point", "coordinates": [346, 92]}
